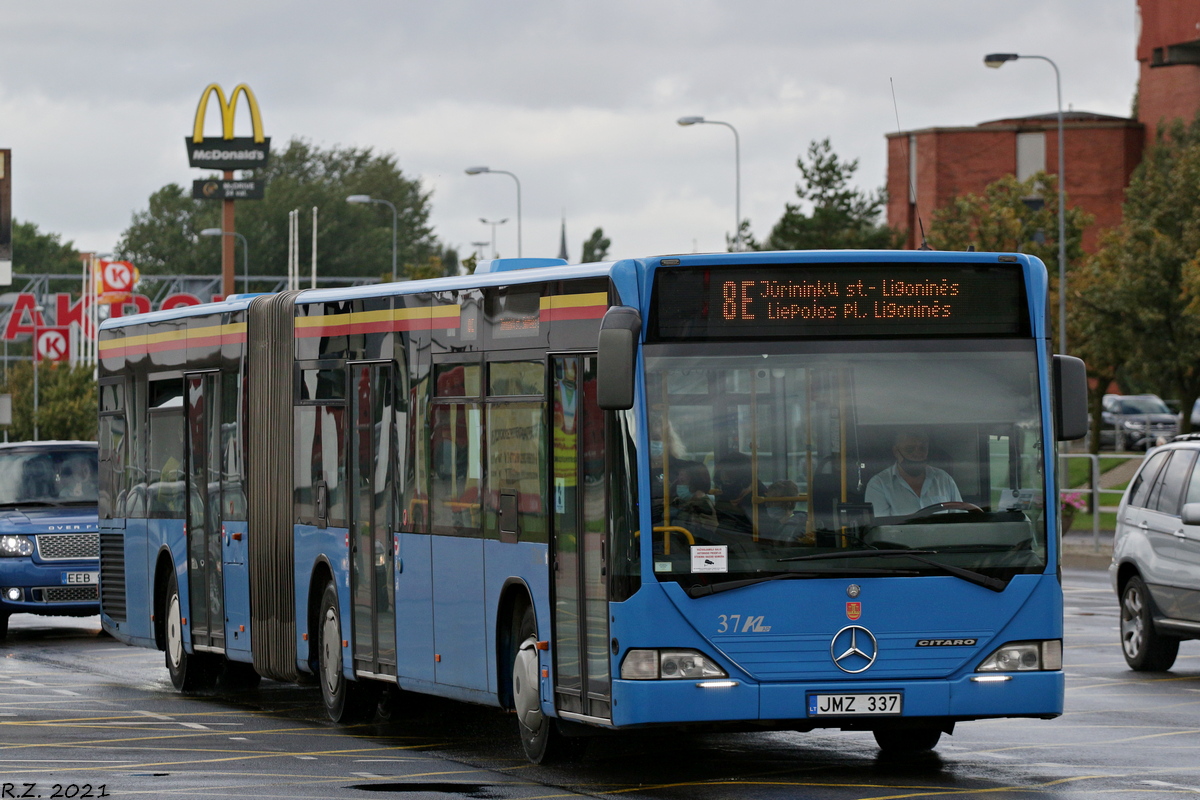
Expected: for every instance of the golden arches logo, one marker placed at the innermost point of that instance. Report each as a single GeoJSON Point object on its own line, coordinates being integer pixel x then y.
{"type": "Point", "coordinates": [227, 109]}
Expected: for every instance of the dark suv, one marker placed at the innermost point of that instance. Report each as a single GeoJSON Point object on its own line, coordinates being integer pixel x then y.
{"type": "Point", "coordinates": [1136, 421]}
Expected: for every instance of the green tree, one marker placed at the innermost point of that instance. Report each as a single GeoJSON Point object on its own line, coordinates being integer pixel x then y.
{"type": "Point", "coordinates": [1013, 216]}
{"type": "Point", "coordinates": [1144, 284]}
{"type": "Point", "coordinates": [66, 401]}
{"type": "Point", "coordinates": [352, 240]}
{"type": "Point", "coordinates": [595, 248]}
{"type": "Point", "coordinates": [841, 216]}
{"type": "Point", "coordinates": [37, 253]}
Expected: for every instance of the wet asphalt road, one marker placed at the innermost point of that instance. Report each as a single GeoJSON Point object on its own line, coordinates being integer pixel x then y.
{"type": "Point", "coordinates": [78, 709]}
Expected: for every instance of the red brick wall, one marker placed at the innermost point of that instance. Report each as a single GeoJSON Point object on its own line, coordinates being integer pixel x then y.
{"type": "Point", "coordinates": [1166, 22]}
{"type": "Point", "coordinates": [957, 161]}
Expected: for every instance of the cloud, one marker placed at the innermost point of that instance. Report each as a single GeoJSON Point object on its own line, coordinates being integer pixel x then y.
{"type": "Point", "coordinates": [577, 98]}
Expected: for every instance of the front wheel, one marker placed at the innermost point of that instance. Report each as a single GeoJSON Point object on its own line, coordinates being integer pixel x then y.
{"type": "Point", "coordinates": [345, 700]}
{"type": "Point", "coordinates": [900, 741]}
{"type": "Point", "coordinates": [541, 739]}
{"type": "Point", "coordinates": [1144, 648]}
{"type": "Point", "coordinates": [190, 672]}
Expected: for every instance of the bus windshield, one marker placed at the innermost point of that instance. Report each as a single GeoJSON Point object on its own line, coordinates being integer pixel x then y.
{"type": "Point", "coordinates": [773, 459]}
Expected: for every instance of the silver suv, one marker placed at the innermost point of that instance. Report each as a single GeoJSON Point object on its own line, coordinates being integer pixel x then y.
{"type": "Point", "coordinates": [1155, 567]}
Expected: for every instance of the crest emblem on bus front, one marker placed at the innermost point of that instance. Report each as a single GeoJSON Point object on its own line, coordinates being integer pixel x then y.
{"type": "Point", "coordinates": [853, 611]}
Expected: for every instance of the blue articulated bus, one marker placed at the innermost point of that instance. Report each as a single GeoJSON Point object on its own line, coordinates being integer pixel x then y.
{"type": "Point", "coordinates": [49, 546]}
{"type": "Point", "coordinates": [748, 491]}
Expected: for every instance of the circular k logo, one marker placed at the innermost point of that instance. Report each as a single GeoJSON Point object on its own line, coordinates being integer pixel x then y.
{"type": "Point", "coordinates": [853, 649]}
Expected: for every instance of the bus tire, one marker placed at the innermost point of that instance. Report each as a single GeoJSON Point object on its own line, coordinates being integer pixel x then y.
{"type": "Point", "coordinates": [540, 736]}
{"type": "Point", "coordinates": [902, 741]}
{"type": "Point", "coordinates": [190, 672]}
{"type": "Point", "coordinates": [3, 626]}
{"type": "Point", "coordinates": [1145, 649]}
{"type": "Point", "coordinates": [346, 701]}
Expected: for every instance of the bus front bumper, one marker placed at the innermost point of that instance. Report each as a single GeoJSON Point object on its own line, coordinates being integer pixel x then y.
{"type": "Point", "coordinates": [1024, 694]}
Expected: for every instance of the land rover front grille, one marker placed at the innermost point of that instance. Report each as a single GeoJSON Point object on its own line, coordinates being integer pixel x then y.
{"type": "Point", "coordinates": [68, 546]}
{"type": "Point", "coordinates": [69, 594]}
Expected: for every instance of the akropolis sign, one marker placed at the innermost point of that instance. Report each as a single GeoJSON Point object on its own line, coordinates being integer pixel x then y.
{"type": "Point", "coordinates": [24, 317]}
{"type": "Point", "coordinates": [228, 152]}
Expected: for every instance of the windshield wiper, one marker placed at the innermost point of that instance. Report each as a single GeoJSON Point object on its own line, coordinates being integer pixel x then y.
{"type": "Point", "coordinates": [916, 555]}
{"type": "Point", "coordinates": [699, 590]}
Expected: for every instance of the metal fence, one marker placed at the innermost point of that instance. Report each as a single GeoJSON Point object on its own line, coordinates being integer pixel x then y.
{"type": "Point", "coordinates": [1094, 491]}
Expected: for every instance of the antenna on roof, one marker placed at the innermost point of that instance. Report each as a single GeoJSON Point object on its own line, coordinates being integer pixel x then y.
{"type": "Point", "coordinates": [912, 190]}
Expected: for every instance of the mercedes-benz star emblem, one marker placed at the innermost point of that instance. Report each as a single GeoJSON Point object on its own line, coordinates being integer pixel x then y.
{"type": "Point", "coordinates": [853, 649]}
{"type": "Point", "coordinates": [853, 590]}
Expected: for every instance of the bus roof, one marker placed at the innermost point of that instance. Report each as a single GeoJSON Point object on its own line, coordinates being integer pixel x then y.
{"type": "Point", "coordinates": [505, 272]}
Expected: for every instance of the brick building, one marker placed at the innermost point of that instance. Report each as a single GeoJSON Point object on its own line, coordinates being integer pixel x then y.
{"type": "Point", "coordinates": [928, 168]}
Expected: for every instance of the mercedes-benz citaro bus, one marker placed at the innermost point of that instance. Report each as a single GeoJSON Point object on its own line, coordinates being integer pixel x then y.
{"type": "Point", "coordinates": [49, 548]}
{"type": "Point", "coordinates": [783, 490]}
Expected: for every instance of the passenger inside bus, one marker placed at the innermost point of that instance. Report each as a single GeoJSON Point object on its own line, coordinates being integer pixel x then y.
{"type": "Point", "coordinates": [735, 475]}
{"type": "Point", "coordinates": [687, 482]}
{"type": "Point", "coordinates": [782, 523]}
{"type": "Point", "coordinates": [912, 484]}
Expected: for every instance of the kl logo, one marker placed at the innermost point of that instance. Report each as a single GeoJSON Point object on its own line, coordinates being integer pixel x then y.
{"type": "Point", "coordinates": [853, 610]}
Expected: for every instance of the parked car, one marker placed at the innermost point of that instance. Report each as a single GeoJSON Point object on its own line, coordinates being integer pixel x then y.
{"type": "Point", "coordinates": [49, 541]}
{"type": "Point", "coordinates": [1155, 568]}
{"type": "Point", "coordinates": [1136, 421]}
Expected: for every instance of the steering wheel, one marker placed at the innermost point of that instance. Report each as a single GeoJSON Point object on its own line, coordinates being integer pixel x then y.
{"type": "Point", "coordinates": [948, 506]}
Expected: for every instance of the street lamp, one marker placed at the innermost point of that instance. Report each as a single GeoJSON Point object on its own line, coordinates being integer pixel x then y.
{"type": "Point", "coordinates": [483, 170]}
{"type": "Point", "coordinates": [737, 172]}
{"type": "Point", "coordinates": [37, 313]}
{"type": "Point", "coordinates": [493, 223]}
{"type": "Point", "coordinates": [995, 61]}
{"type": "Point", "coordinates": [245, 253]}
{"type": "Point", "coordinates": [366, 198]}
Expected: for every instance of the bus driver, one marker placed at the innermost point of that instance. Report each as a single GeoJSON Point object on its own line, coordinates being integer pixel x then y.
{"type": "Point", "coordinates": [911, 484]}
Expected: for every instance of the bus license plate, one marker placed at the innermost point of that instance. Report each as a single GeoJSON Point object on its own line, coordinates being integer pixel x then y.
{"type": "Point", "coordinates": [81, 577]}
{"type": "Point", "coordinates": [840, 705]}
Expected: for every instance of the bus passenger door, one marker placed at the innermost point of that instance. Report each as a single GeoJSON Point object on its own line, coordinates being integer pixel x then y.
{"type": "Point", "coordinates": [583, 684]}
{"type": "Point", "coordinates": [203, 464]}
{"type": "Point", "coordinates": [372, 586]}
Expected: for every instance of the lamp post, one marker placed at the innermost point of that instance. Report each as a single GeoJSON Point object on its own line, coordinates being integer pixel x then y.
{"type": "Point", "coordinates": [995, 61]}
{"type": "Point", "coordinates": [493, 223]}
{"type": "Point", "coordinates": [366, 198]}
{"type": "Point", "coordinates": [37, 313]}
{"type": "Point", "coordinates": [483, 170]}
{"type": "Point", "coordinates": [245, 252]}
{"type": "Point", "coordinates": [737, 172]}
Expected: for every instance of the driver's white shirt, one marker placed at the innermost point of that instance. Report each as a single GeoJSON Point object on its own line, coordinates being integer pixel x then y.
{"type": "Point", "coordinates": [891, 496]}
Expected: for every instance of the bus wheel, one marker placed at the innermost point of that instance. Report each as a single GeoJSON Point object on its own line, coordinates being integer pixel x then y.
{"type": "Point", "coordinates": [898, 741]}
{"type": "Point", "coordinates": [190, 672]}
{"type": "Point", "coordinates": [1145, 649]}
{"type": "Point", "coordinates": [345, 701]}
{"type": "Point", "coordinates": [540, 737]}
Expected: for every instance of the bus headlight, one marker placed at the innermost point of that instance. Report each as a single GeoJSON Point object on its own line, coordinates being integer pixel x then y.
{"type": "Point", "coordinates": [15, 545]}
{"type": "Point", "coordinates": [649, 665]}
{"type": "Point", "coordinates": [1024, 657]}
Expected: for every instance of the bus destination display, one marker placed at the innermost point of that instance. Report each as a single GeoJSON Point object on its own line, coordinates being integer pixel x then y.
{"type": "Point", "coordinates": [828, 300]}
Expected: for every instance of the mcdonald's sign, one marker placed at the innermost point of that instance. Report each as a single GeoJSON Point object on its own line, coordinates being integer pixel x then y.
{"type": "Point", "coordinates": [228, 152]}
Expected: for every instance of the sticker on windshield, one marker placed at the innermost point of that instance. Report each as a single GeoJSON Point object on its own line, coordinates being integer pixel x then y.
{"type": "Point", "coordinates": [710, 558]}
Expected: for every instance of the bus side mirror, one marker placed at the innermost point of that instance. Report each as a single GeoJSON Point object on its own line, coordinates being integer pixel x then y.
{"type": "Point", "coordinates": [1070, 398]}
{"type": "Point", "coordinates": [616, 358]}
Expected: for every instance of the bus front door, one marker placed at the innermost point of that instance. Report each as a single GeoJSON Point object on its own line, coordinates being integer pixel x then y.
{"type": "Point", "coordinates": [372, 586]}
{"type": "Point", "coordinates": [583, 684]}
{"type": "Point", "coordinates": [204, 529]}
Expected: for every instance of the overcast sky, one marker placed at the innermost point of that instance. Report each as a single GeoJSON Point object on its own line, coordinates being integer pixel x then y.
{"type": "Point", "coordinates": [578, 99]}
